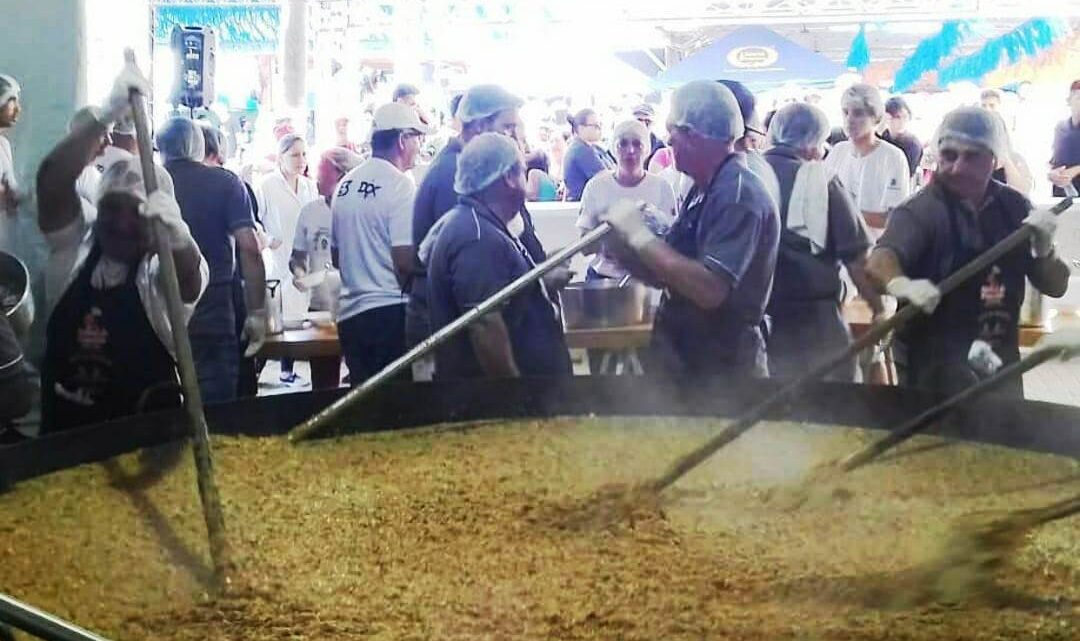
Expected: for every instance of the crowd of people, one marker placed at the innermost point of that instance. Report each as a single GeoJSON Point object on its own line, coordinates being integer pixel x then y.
{"type": "Point", "coordinates": [749, 226]}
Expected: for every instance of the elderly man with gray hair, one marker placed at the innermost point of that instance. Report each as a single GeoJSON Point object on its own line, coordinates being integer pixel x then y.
{"type": "Point", "coordinates": [821, 230]}
{"type": "Point", "coordinates": [474, 256]}
{"type": "Point", "coordinates": [872, 171]}
{"type": "Point", "coordinates": [716, 262]}
{"type": "Point", "coordinates": [960, 215]}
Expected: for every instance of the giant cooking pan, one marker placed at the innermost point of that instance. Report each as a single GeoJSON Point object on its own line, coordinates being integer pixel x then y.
{"type": "Point", "coordinates": [1029, 425]}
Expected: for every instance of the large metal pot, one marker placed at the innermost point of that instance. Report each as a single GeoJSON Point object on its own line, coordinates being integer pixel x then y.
{"type": "Point", "coordinates": [15, 297]}
{"type": "Point", "coordinates": [602, 304]}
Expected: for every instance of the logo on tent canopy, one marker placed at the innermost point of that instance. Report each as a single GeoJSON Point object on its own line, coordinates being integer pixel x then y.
{"type": "Point", "coordinates": [753, 57]}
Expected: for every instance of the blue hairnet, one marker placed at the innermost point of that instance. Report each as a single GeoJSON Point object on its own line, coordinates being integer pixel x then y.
{"type": "Point", "coordinates": [9, 88]}
{"type": "Point", "coordinates": [973, 126]}
{"type": "Point", "coordinates": [181, 139]}
{"type": "Point", "coordinates": [707, 107]}
{"type": "Point", "coordinates": [483, 161]}
{"type": "Point", "coordinates": [481, 101]}
{"type": "Point", "coordinates": [800, 126]}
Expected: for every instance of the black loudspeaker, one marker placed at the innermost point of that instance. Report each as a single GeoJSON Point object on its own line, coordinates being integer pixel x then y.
{"type": "Point", "coordinates": [196, 57]}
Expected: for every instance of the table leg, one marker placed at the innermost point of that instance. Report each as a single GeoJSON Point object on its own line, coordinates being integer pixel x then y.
{"type": "Point", "coordinates": [325, 372]}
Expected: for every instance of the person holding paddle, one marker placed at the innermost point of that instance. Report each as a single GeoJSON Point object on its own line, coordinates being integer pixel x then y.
{"type": "Point", "coordinates": [109, 349]}
{"type": "Point", "coordinates": [962, 213]}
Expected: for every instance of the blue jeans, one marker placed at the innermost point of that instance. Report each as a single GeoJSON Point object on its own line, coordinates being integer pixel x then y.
{"type": "Point", "coordinates": [217, 363]}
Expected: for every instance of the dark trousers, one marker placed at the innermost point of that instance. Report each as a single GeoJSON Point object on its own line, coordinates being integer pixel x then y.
{"type": "Point", "coordinates": [372, 340]}
{"type": "Point", "coordinates": [217, 364]}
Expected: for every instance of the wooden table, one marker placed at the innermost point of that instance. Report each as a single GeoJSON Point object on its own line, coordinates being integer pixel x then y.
{"type": "Point", "coordinates": [318, 345]}
{"type": "Point", "coordinates": [619, 345]}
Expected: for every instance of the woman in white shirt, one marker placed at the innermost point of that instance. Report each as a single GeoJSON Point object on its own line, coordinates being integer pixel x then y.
{"type": "Point", "coordinates": [628, 180]}
{"type": "Point", "coordinates": [281, 196]}
{"type": "Point", "coordinates": [874, 172]}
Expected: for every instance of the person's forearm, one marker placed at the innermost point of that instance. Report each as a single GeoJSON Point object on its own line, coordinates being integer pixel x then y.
{"type": "Point", "coordinates": [1050, 276]}
{"type": "Point", "coordinates": [883, 266]}
{"type": "Point", "coordinates": [58, 204]}
{"type": "Point", "coordinates": [688, 278]}
{"type": "Point", "coordinates": [863, 284]}
{"type": "Point", "coordinates": [254, 274]}
{"type": "Point", "coordinates": [187, 261]}
{"type": "Point", "coordinates": [491, 343]}
{"type": "Point", "coordinates": [1017, 178]}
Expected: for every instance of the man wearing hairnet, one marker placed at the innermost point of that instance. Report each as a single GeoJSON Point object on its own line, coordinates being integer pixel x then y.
{"type": "Point", "coordinates": [215, 204]}
{"type": "Point", "coordinates": [820, 230]}
{"type": "Point", "coordinates": [122, 145]}
{"type": "Point", "coordinates": [483, 108]}
{"type": "Point", "coordinates": [10, 110]}
{"type": "Point", "coordinates": [475, 255]}
{"type": "Point", "coordinates": [108, 344]}
{"type": "Point", "coordinates": [966, 334]}
{"type": "Point", "coordinates": [716, 262]}
{"type": "Point", "coordinates": [752, 141]}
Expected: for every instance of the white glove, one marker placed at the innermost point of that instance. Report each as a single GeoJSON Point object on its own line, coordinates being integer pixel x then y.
{"type": "Point", "coordinates": [1067, 339]}
{"type": "Point", "coordinates": [255, 331]}
{"type": "Point", "coordinates": [920, 293]}
{"type": "Point", "coordinates": [161, 207]}
{"type": "Point", "coordinates": [1044, 223]}
{"type": "Point", "coordinates": [628, 219]}
{"type": "Point", "coordinates": [983, 359]}
{"type": "Point", "coordinates": [118, 104]}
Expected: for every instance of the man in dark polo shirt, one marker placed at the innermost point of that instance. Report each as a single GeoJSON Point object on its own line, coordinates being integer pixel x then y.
{"type": "Point", "coordinates": [474, 256]}
{"type": "Point", "coordinates": [1065, 163]}
{"type": "Point", "coordinates": [897, 119]}
{"type": "Point", "coordinates": [716, 262]}
{"type": "Point", "coordinates": [215, 205]}
{"type": "Point", "coordinates": [960, 215]}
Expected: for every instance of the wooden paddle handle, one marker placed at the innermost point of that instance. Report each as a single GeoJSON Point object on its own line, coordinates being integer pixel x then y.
{"type": "Point", "coordinates": [193, 405]}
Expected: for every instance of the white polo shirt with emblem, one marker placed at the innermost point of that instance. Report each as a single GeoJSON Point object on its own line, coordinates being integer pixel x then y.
{"type": "Point", "coordinates": [878, 181]}
{"type": "Point", "coordinates": [371, 212]}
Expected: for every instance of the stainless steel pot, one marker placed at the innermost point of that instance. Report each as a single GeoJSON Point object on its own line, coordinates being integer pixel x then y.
{"type": "Point", "coordinates": [602, 304]}
{"type": "Point", "coordinates": [275, 318]}
{"type": "Point", "coordinates": [15, 296]}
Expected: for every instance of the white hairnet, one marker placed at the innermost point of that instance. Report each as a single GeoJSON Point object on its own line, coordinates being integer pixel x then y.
{"type": "Point", "coordinates": [125, 177]}
{"type": "Point", "coordinates": [341, 159]}
{"type": "Point", "coordinates": [181, 139]}
{"type": "Point", "coordinates": [800, 126]}
{"type": "Point", "coordinates": [633, 130]}
{"type": "Point", "coordinates": [973, 126]}
{"type": "Point", "coordinates": [483, 161]}
{"type": "Point", "coordinates": [9, 88]}
{"type": "Point", "coordinates": [707, 107]}
{"type": "Point", "coordinates": [84, 117]}
{"type": "Point", "coordinates": [864, 96]}
{"type": "Point", "coordinates": [481, 101]}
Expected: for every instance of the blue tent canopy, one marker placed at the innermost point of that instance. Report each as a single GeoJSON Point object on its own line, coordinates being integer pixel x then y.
{"type": "Point", "coordinates": [251, 27]}
{"type": "Point", "coordinates": [757, 57]}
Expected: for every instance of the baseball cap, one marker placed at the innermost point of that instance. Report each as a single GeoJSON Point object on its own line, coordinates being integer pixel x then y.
{"type": "Point", "coordinates": [747, 104]}
{"type": "Point", "coordinates": [396, 115]}
{"type": "Point", "coordinates": [645, 110]}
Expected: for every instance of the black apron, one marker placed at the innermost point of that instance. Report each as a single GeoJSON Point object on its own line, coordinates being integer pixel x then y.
{"type": "Point", "coordinates": [688, 340]}
{"type": "Point", "coordinates": [103, 359]}
{"type": "Point", "coordinates": [932, 352]}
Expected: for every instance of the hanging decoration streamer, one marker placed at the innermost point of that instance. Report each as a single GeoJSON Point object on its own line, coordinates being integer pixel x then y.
{"type": "Point", "coordinates": [859, 56]}
{"type": "Point", "coordinates": [1027, 40]}
{"type": "Point", "coordinates": [930, 52]}
{"type": "Point", "coordinates": [240, 27]}
{"type": "Point", "coordinates": [1055, 65]}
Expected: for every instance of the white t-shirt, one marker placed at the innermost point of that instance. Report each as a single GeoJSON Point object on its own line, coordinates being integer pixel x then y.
{"type": "Point", "coordinates": [876, 182]}
{"type": "Point", "coordinates": [371, 212]}
{"type": "Point", "coordinates": [602, 191]}
{"type": "Point", "coordinates": [279, 208]}
{"type": "Point", "coordinates": [313, 237]}
{"type": "Point", "coordinates": [69, 248]}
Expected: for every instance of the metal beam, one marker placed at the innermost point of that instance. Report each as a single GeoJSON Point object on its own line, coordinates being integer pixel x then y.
{"type": "Point", "coordinates": [41, 624]}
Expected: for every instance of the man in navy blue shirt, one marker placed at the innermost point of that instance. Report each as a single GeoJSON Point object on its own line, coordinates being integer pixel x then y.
{"type": "Point", "coordinates": [474, 256]}
{"type": "Point", "coordinates": [716, 262]}
{"type": "Point", "coordinates": [483, 108]}
{"type": "Point", "coordinates": [1065, 163]}
{"type": "Point", "coordinates": [215, 205]}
